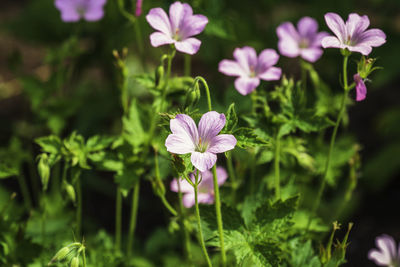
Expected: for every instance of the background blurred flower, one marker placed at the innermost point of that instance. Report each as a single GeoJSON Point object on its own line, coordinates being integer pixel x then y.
{"type": "Point", "coordinates": [387, 254]}
{"type": "Point", "coordinates": [304, 41]}
{"type": "Point", "coordinates": [361, 89]}
{"type": "Point", "coordinates": [205, 188]}
{"type": "Point", "coordinates": [178, 29]}
{"type": "Point", "coordinates": [251, 69]}
{"type": "Point", "coordinates": [138, 10]}
{"type": "Point", "coordinates": [74, 10]}
{"type": "Point", "coordinates": [203, 143]}
{"type": "Point", "coordinates": [353, 34]}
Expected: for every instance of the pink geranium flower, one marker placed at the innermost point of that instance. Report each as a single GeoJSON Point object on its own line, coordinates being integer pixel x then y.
{"type": "Point", "coordinates": [74, 10]}
{"type": "Point", "coordinates": [205, 187]}
{"type": "Point", "coordinates": [203, 142]}
{"type": "Point", "coordinates": [353, 34]}
{"type": "Point", "coordinates": [305, 41]}
{"type": "Point", "coordinates": [138, 10]}
{"type": "Point", "coordinates": [250, 69]}
{"type": "Point", "coordinates": [387, 255]}
{"type": "Point", "coordinates": [178, 28]}
{"type": "Point", "coordinates": [361, 89]}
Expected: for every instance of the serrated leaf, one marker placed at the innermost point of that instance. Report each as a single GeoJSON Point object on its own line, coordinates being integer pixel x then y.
{"type": "Point", "coordinates": [231, 119]}
{"type": "Point", "coordinates": [247, 137]}
{"type": "Point", "coordinates": [302, 254]}
{"type": "Point", "coordinates": [50, 144]}
{"type": "Point", "coordinates": [133, 130]}
{"type": "Point", "coordinates": [97, 142]}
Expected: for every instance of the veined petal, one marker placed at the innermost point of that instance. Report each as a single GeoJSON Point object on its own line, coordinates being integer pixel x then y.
{"type": "Point", "coordinates": [246, 57]}
{"type": "Point", "coordinates": [183, 125]}
{"type": "Point", "coordinates": [222, 175]}
{"type": "Point", "coordinates": [266, 59]}
{"type": "Point", "coordinates": [179, 144]}
{"type": "Point", "coordinates": [331, 42]}
{"type": "Point", "coordinates": [363, 49]}
{"type": "Point", "coordinates": [222, 143]}
{"type": "Point", "coordinates": [230, 68]}
{"type": "Point", "coordinates": [159, 38]}
{"type": "Point", "coordinates": [307, 27]}
{"type": "Point", "coordinates": [317, 41]}
{"type": "Point", "coordinates": [177, 14]}
{"type": "Point", "coordinates": [245, 85]}
{"type": "Point", "coordinates": [387, 245]}
{"type": "Point", "coordinates": [311, 54]}
{"type": "Point", "coordinates": [188, 200]}
{"type": "Point", "coordinates": [189, 46]}
{"type": "Point", "coordinates": [372, 37]}
{"type": "Point", "coordinates": [361, 89]}
{"type": "Point", "coordinates": [337, 26]}
{"type": "Point", "coordinates": [158, 19]}
{"type": "Point", "coordinates": [271, 74]}
{"type": "Point", "coordinates": [184, 185]}
{"type": "Point", "coordinates": [193, 25]}
{"type": "Point", "coordinates": [356, 24]}
{"type": "Point", "coordinates": [210, 124]}
{"type": "Point", "coordinates": [203, 161]}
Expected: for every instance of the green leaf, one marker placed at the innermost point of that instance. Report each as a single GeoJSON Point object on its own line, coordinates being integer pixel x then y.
{"type": "Point", "coordinates": [302, 254]}
{"type": "Point", "coordinates": [97, 142]}
{"type": "Point", "coordinates": [231, 119]}
{"type": "Point", "coordinates": [133, 130]}
{"type": "Point", "coordinates": [145, 79]}
{"type": "Point", "coordinates": [7, 171]}
{"type": "Point", "coordinates": [247, 137]}
{"type": "Point", "coordinates": [51, 144]}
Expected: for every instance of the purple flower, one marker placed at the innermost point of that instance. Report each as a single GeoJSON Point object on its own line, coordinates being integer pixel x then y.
{"type": "Point", "coordinates": [361, 89]}
{"type": "Point", "coordinates": [205, 187]}
{"type": "Point", "coordinates": [178, 29]}
{"type": "Point", "coordinates": [249, 69]}
{"type": "Point", "coordinates": [203, 143]}
{"type": "Point", "coordinates": [74, 10]}
{"type": "Point", "coordinates": [387, 255]}
{"type": "Point", "coordinates": [138, 10]}
{"type": "Point", "coordinates": [352, 34]}
{"type": "Point", "coordinates": [304, 42]}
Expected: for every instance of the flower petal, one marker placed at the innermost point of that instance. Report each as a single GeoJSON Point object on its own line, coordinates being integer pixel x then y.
{"type": "Point", "coordinates": [288, 44]}
{"type": "Point", "coordinates": [331, 42]}
{"type": "Point", "coordinates": [94, 14]}
{"type": "Point", "coordinates": [222, 143]}
{"type": "Point", "coordinates": [177, 14]}
{"type": "Point", "coordinates": [246, 57]}
{"type": "Point", "coordinates": [205, 198]}
{"type": "Point", "coordinates": [203, 161]}
{"type": "Point", "coordinates": [188, 200]}
{"type": "Point", "coordinates": [222, 175]}
{"type": "Point", "coordinates": [387, 245]}
{"type": "Point", "coordinates": [271, 74]}
{"type": "Point", "coordinates": [363, 49]}
{"type": "Point", "coordinates": [266, 59]}
{"type": "Point", "coordinates": [317, 41]}
{"type": "Point", "coordinates": [356, 24]}
{"type": "Point", "coordinates": [210, 124]}
{"type": "Point", "coordinates": [179, 144]}
{"type": "Point", "coordinates": [230, 68]}
{"type": "Point", "coordinates": [159, 38]}
{"type": "Point", "coordinates": [378, 257]}
{"type": "Point", "coordinates": [68, 10]}
{"type": "Point", "coordinates": [189, 46]}
{"type": "Point", "coordinates": [372, 37]}
{"type": "Point", "coordinates": [307, 27]}
{"type": "Point", "coordinates": [184, 186]}
{"type": "Point", "coordinates": [246, 85]}
{"type": "Point", "coordinates": [336, 24]}
{"type": "Point", "coordinates": [311, 54]}
{"type": "Point", "coordinates": [158, 19]}
{"type": "Point", "coordinates": [193, 25]}
{"type": "Point", "coordinates": [361, 89]}
{"type": "Point", "coordinates": [183, 125]}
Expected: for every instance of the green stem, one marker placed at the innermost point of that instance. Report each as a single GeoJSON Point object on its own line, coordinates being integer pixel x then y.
{"type": "Point", "coordinates": [232, 176]}
{"type": "Point", "coordinates": [219, 216]}
{"type": "Point", "coordinates": [84, 257]}
{"type": "Point", "coordinates": [203, 246]}
{"type": "Point", "coordinates": [185, 232]}
{"type": "Point", "coordinates": [134, 211]}
{"type": "Point", "coordinates": [187, 64]}
{"type": "Point", "coordinates": [276, 166]}
{"type": "Point", "coordinates": [79, 209]}
{"type": "Point", "coordinates": [203, 81]}
{"type": "Point", "coordinates": [168, 206]}
{"type": "Point", "coordinates": [139, 39]}
{"type": "Point", "coordinates": [25, 192]}
{"type": "Point", "coordinates": [303, 83]}
{"type": "Point", "coordinates": [118, 219]}
{"type": "Point", "coordinates": [333, 137]}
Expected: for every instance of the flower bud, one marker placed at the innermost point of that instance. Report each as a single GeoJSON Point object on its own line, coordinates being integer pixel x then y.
{"type": "Point", "coordinates": [44, 169]}
{"type": "Point", "coordinates": [60, 255]}
{"type": "Point", "coordinates": [193, 95]}
{"type": "Point", "coordinates": [366, 66]}
{"type": "Point", "coordinates": [159, 76]}
{"type": "Point", "coordinates": [158, 187]}
{"type": "Point", "coordinates": [70, 191]}
{"type": "Point", "coordinates": [75, 262]}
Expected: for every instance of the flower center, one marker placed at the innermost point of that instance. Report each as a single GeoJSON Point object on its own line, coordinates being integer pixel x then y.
{"type": "Point", "coordinates": [177, 35]}
{"type": "Point", "coordinates": [349, 41]}
{"type": "Point", "coordinates": [303, 43]}
{"type": "Point", "coordinates": [201, 146]}
{"type": "Point", "coordinates": [253, 71]}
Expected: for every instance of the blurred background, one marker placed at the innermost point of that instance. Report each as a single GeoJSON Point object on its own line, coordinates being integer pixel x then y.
{"type": "Point", "coordinates": [57, 77]}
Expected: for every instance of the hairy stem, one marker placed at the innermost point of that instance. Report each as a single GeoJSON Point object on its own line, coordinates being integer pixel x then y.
{"type": "Point", "coordinates": [232, 176]}
{"type": "Point", "coordinates": [219, 216]}
{"type": "Point", "coordinates": [203, 81]}
{"type": "Point", "coordinates": [134, 211]}
{"type": "Point", "coordinates": [185, 232]}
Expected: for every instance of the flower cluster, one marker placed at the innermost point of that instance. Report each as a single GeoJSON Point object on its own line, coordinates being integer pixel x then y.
{"type": "Point", "coordinates": [74, 10]}
{"type": "Point", "coordinates": [205, 187]}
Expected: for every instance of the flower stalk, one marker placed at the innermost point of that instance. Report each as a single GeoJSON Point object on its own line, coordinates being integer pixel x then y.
{"type": "Point", "coordinates": [133, 220]}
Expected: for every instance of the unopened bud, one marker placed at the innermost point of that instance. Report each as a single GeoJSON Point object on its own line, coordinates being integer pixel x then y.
{"type": "Point", "coordinates": [366, 66]}
{"type": "Point", "coordinates": [159, 76]}
{"type": "Point", "coordinates": [60, 255]}
{"type": "Point", "coordinates": [193, 95]}
{"type": "Point", "coordinates": [70, 191]}
{"type": "Point", "coordinates": [44, 170]}
{"type": "Point", "coordinates": [75, 262]}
